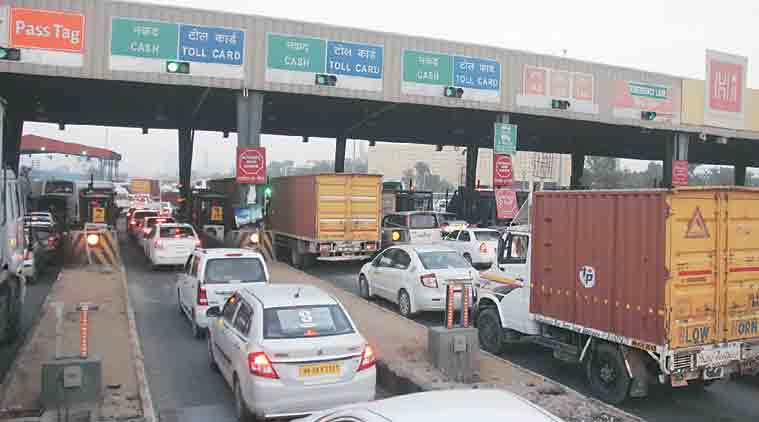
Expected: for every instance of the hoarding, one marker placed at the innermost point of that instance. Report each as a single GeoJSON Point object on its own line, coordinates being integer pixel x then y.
{"type": "Point", "coordinates": [46, 37]}
{"type": "Point", "coordinates": [506, 203]}
{"type": "Point", "coordinates": [632, 98]}
{"type": "Point", "coordinates": [251, 165]}
{"type": "Point", "coordinates": [147, 46]}
{"type": "Point", "coordinates": [4, 26]}
{"type": "Point", "coordinates": [542, 85]}
{"type": "Point", "coordinates": [503, 170]}
{"type": "Point", "coordinates": [725, 90]}
{"type": "Point", "coordinates": [428, 74]}
{"type": "Point", "coordinates": [679, 173]}
{"type": "Point", "coordinates": [298, 60]}
{"type": "Point", "coordinates": [505, 138]}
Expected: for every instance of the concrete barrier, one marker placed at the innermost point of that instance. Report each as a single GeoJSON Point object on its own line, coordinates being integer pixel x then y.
{"type": "Point", "coordinates": [103, 252]}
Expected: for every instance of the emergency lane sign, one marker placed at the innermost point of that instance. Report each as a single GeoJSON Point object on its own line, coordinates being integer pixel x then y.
{"type": "Point", "coordinates": [251, 165]}
{"type": "Point", "coordinates": [506, 203]}
{"type": "Point", "coordinates": [503, 170]}
{"type": "Point", "coordinates": [98, 215]}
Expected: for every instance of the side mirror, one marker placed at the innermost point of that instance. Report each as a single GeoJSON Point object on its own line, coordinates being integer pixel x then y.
{"type": "Point", "coordinates": [213, 312]}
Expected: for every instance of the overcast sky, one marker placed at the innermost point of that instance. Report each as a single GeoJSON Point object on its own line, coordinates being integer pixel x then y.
{"type": "Point", "coordinates": [665, 36]}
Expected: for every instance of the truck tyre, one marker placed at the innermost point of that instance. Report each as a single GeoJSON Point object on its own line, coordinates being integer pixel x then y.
{"type": "Point", "coordinates": [490, 331]}
{"type": "Point", "coordinates": [607, 374]}
{"type": "Point", "coordinates": [308, 260]}
{"type": "Point", "coordinates": [297, 259]}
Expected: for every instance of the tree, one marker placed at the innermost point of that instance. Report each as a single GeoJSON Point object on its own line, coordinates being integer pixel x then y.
{"type": "Point", "coordinates": [603, 173]}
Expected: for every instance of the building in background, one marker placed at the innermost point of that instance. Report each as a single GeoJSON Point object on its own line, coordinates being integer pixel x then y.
{"type": "Point", "coordinates": [391, 160]}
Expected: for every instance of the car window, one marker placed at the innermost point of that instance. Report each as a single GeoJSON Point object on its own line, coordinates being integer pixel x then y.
{"type": "Point", "coordinates": [188, 264]}
{"type": "Point", "coordinates": [464, 237]}
{"type": "Point", "coordinates": [243, 318]}
{"type": "Point", "coordinates": [487, 235]}
{"type": "Point", "coordinates": [516, 249]}
{"type": "Point", "coordinates": [394, 221]}
{"type": "Point", "coordinates": [228, 312]}
{"type": "Point", "coordinates": [441, 260]}
{"type": "Point", "coordinates": [225, 270]}
{"type": "Point", "coordinates": [194, 267]}
{"type": "Point", "coordinates": [305, 321]}
{"type": "Point", "coordinates": [153, 221]}
{"type": "Point", "coordinates": [387, 259]}
{"type": "Point", "coordinates": [453, 235]}
{"type": "Point", "coordinates": [178, 232]}
{"type": "Point", "coordinates": [151, 234]}
{"type": "Point", "coordinates": [423, 221]}
{"type": "Point", "coordinates": [401, 260]}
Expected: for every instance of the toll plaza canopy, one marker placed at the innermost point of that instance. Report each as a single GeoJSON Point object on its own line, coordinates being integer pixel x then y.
{"type": "Point", "coordinates": [33, 144]}
{"type": "Point", "coordinates": [142, 65]}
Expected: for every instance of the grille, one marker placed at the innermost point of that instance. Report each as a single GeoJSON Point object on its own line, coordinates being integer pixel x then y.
{"type": "Point", "coordinates": [683, 361]}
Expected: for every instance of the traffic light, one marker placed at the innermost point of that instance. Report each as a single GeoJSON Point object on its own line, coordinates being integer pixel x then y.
{"type": "Point", "coordinates": [453, 92]}
{"type": "Point", "coordinates": [560, 104]}
{"type": "Point", "coordinates": [267, 191]}
{"type": "Point", "coordinates": [648, 115]}
{"type": "Point", "coordinates": [326, 80]}
{"type": "Point", "coordinates": [11, 54]}
{"type": "Point", "coordinates": [177, 67]}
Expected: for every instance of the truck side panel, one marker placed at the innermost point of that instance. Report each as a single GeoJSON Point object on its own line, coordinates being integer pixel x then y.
{"type": "Point", "coordinates": [293, 208]}
{"type": "Point", "coordinates": [348, 207]}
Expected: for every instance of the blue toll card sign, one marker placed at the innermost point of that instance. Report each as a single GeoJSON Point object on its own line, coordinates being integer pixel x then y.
{"type": "Point", "coordinates": [469, 72]}
{"type": "Point", "coordinates": [211, 45]}
{"type": "Point", "coordinates": [352, 59]}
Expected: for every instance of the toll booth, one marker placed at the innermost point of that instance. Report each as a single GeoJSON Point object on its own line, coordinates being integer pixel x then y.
{"type": "Point", "coordinates": [211, 214]}
{"type": "Point", "coordinates": [97, 207]}
{"type": "Point", "coordinates": [477, 206]}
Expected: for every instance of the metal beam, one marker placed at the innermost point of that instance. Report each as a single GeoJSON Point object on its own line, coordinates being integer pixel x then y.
{"type": "Point", "coordinates": [369, 117]}
{"type": "Point", "coordinates": [340, 144]}
{"type": "Point", "coordinates": [200, 102]}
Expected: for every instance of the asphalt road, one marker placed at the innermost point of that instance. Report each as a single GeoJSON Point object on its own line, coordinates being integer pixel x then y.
{"type": "Point", "coordinates": [35, 297]}
{"type": "Point", "coordinates": [736, 401]}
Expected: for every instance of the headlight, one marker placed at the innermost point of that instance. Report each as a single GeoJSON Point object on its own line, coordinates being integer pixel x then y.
{"type": "Point", "coordinates": [254, 237]}
{"type": "Point", "coordinates": [93, 239]}
{"type": "Point", "coordinates": [396, 236]}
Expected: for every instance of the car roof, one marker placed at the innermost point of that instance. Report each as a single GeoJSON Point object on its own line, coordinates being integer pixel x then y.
{"type": "Point", "coordinates": [457, 405]}
{"type": "Point", "coordinates": [224, 252]}
{"type": "Point", "coordinates": [430, 248]}
{"type": "Point", "coordinates": [284, 295]}
{"type": "Point", "coordinates": [174, 225]}
{"type": "Point", "coordinates": [481, 229]}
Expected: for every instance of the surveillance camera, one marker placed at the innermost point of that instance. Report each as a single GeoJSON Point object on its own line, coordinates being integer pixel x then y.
{"type": "Point", "coordinates": [702, 136]}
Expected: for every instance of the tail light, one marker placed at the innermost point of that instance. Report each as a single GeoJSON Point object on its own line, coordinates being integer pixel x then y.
{"type": "Point", "coordinates": [371, 247]}
{"type": "Point", "coordinates": [133, 222]}
{"type": "Point", "coordinates": [146, 230]}
{"type": "Point", "coordinates": [51, 242]}
{"type": "Point", "coordinates": [198, 243]}
{"type": "Point", "coordinates": [260, 365]}
{"type": "Point", "coordinates": [368, 358]}
{"type": "Point", "coordinates": [202, 296]}
{"type": "Point", "coordinates": [483, 248]}
{"type": "Point", "coordinates": [158, 244]}
{"type": "Point", "coordinates": [429, 280]}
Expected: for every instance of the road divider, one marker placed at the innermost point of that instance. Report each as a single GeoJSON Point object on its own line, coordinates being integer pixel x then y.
{"type": "Point", "coordinates": [95, 245]}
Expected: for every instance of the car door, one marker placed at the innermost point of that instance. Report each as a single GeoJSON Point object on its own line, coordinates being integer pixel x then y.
{"type": "Point", "coordinates": [513, 259]}
{"type": "Point", "coordinates": [380, 275]}
{"type": "Point", "coordinates": [220, 333]}
{"type": "Point", "coordinates": [397, 275]}
{"type": "Point", "coordinates": [147, 244]}
{"type": "Point", "coordinates": [237, 338]}
{"type": "Point", "coordinates": [464, 243]}
{"type": "Point", "coordinates": [190, 282]}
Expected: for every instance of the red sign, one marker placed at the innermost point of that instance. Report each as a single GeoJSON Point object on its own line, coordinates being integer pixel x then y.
{"type": "Point", "coordinates": [251, 165]}
{"type": "Point", "coordinates": [535, 81]}
{"type": "Point", "coordinates": [725, 86]}
{"type": "Point", "coordinates": [506, 203]}
{"type": "Point", "coordinates": [679, 173]}
{"type": "Point", "coordinates": [503, 171]}
{"type": "Point", "coordinates": [47, 30]}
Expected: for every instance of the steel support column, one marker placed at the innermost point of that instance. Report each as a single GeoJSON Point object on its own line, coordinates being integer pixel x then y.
{"type": "Point", "coordinates": [186, 136]}
{"type": "Point", "coordinates": [472, 155]}
{"type": "Point", "coordinates": [740, 174]}
{"type": "Point", "coordinates": [578, 167]}
{"type": "Point", "coordinates": [13, 128]}
{"type": "Point", "coordinates": [340, 144]}
{"type": "Point", "coordinates": [676, 148]}
{"type": "Point", "coordinates": [250, 106]}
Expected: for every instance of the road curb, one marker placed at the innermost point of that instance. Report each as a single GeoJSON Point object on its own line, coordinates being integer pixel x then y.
{"type": "Point", "coordinates": [148, 412]}
{"type": "Point", "coordinates": [26, 338]}
{"type": "Point", "coordinates": [404, 385]}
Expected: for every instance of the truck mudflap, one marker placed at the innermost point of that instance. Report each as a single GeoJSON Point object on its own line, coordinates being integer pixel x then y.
{"type": "Point", "coordinates": [641, 376]}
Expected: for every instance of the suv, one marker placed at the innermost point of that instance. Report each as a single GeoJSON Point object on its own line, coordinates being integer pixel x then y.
{"type": "Point", "coordinates": [210, 276]}
{"type": "Point", "coordinates": [410, 227]}
{"type": "Point", "coordinates": [137, 219]}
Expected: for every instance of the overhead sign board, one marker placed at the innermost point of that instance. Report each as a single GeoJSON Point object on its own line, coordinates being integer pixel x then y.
{"type": "Point", "coordinates": [542, 85]}
{"type": "Point", "coordinates": [505, 138]}
{"type": "Point", "coordinates": [45, 37]}
{"type": "Point", "coordinates": [506, 203]}
{"type": "Point", "coordinates": [632, 98]}
{"type": "Point", "coordinates": [427, 74]}
{"type": "Point", "coordinates": [251, 165]}
{"type": "Point", "coordinates": [725, 90]}
{"type": "Point", "coordinates": [146, 46]}
{"type": "Point", "coordinates": [503, 170]}
{"type": "Point", "coordinates": [297, 60]}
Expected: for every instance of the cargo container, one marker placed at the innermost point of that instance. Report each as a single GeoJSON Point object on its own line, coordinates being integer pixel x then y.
{"type": "Point", "coordinates": [149, 187]}
{"type": "Point", "coordinates": [641, 287]}
{"type": "Point", "coordinates": [328, 217]}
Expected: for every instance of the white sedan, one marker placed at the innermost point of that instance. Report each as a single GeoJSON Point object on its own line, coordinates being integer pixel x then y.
{"type": "Point", "coordinates": [441, 406]}
{"type": "Point", "coordinates": [170, 244]}
{"type": "Point", "coordinates": [416, 277]}
{"type": "Point", "coordinates": [478, 246]}
{"type": "Point", "coordinates": [289, 350]}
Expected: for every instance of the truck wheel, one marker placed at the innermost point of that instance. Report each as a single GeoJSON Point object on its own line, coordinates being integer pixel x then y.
{"type": "Point", "coordinates": [308, 260]}
{"type": "Point", "coordinates": [490, 331]}
{"type": "Point", "coordinates": [297, 259]}
{"type": "Point", "coordinates": [607, 374]}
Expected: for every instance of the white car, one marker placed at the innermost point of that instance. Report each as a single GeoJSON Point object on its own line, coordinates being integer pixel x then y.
{"type": "Point", "coordinates": [170, 244]}
{"type": "Point", "coordinates": [289, 350]}
{"type": "Point", "coordinates": [440, 406]}
{"type": "Point", "coordinates": [416, 277]}
{"type": "Point", "coordinates": [478, 246]}
{"type": "Point", "coordinates": [147, 227]}
{"type": "Point", "coordinates": [210, 276]}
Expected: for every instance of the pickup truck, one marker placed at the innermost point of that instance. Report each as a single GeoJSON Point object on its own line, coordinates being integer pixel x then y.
{"type": "Point", "coordinates": [639, 287]}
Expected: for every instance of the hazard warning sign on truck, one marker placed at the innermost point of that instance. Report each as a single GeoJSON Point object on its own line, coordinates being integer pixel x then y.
{"type": "Point", "coordinates": [251, 165]}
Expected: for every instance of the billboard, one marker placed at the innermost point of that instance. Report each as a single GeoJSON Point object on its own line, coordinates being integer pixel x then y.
{"type": "Point", "coordinates": [725, 99]}
{"type": "Point", "coordinates": [542, 85]}
{"type": "Point", "coordinates": [631, 98]}
{"type": "Point", "coordinates": [45, 37]}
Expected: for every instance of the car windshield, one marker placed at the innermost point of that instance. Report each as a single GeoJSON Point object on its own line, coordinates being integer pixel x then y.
{"type": "Point", "coordinates": [305, 321]}
{"type": "Point", "coordinates": [178, 232]}
{"type": "Point", "coordinates": [423, 221]}
{"type": "Point", "coordinates": [447, 217]}
{"type": "Point", "coordinates": [442, 260]}
{"type": "Point", "coordinates": [486, 236]}
{"type": "Point", "coordinates": [225, 270]}
{"type": "Point", "coordinates": [141, 215]}
{"type": "Point", "coordinates": [153, 221]}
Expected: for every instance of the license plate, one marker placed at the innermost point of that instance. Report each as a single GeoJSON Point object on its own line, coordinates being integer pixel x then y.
{"type": "Point", "coordinates": [319, 370]}
{"type": "Point", "coordinates": [750, 366]}
{"type": "Point", "coordinates": [719, 357]}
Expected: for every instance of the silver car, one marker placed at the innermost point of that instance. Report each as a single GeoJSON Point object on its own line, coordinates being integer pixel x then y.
{"type": "Point", "coordinates": [289, 350]}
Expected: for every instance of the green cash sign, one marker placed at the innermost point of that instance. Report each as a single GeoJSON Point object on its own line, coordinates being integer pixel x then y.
{"type": "Point", "coordinates": [427, 68]}
{"type": "Point", "coordinates": [295, 53]}
{"type": "Point", "coordinates": [147, 39]}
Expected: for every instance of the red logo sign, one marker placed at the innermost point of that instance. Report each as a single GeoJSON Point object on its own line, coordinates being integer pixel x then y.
{"type": "Point", "coordinates": [251, 165]}
{"type": "Point", "coordinates": [534, 81]}
{"type": "Point", "coordinates": [725, 86]}
{"type": "Point", "coordinates": [47, 30]}
{"type": "Point", "coordinates": [506, 203]}
{"type": "Point", "coordinates": [503, 171]}
{"type": "Point", "coordinates": [679, 173]}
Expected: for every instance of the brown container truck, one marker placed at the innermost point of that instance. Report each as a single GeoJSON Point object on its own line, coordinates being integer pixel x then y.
{"type": "Point", "coordinates": [640, 287]}
{"type": "Point", "coordinates": [328, 217]}
{"type": "Point", "coordinates": [149, 187]}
